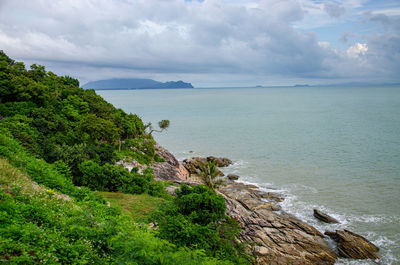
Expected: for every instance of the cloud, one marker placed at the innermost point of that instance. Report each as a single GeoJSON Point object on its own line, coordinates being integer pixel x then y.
{"type": "Point", "coordinates": [357, 50]}
{"type": "Point", "coordinates": [334, 10]}
{"type": "Point", "coordinates": [176, 39]}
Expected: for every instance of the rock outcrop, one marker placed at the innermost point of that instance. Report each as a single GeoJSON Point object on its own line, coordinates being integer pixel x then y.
{"type": "Point", "coordinates": [324, 217]}
{"type": "Point", "coordinates": [170, 169]}
{"type": "Point", "coordinates": [194, 164]}
{"type": "Point", "coordinates": [232, 177]}
{"type": "Point", "coordinates": [275, 238]}
{"type": "Point", "coordinates": [351, 245]}
{"type": "Point", "coordinates": [220, 161]}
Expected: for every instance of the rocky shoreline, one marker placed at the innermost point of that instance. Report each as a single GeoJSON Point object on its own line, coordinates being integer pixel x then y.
{"type": "Point", "coordinates": [273, 236]}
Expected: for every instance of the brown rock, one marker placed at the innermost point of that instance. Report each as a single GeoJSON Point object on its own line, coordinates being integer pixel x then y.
{"type": "Point", "coordinates": [183, 173]}
{"type": "Point", "coordinates": [279, 239]}
{"type": "Point", "coordinates": [232, 177]}
{"type": "Point", "coordinates": [220, 161]}
{"type": "Point", "coordinates": [170, 169]}
{"type": "Point", "coordinates": [351, 245]}
{"type": "Point", "coordinates": [194, 164]}
{"type": "Point", "coordinates": [274, 238]}
{"type": "Point", "coordinates": [324, 217]}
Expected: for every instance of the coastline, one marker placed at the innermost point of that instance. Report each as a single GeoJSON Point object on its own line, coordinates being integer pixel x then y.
{"type": "Point", "coordinates": [273, 235]}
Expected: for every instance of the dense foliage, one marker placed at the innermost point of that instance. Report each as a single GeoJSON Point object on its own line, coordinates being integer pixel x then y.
{"type": "Point", "coordinates": [75, 129]}
{"type": "Point", "coordinates": [58, 147]}
{"type": "Point", "coordinates": [38, 227]}
{"type": "Point", "coordinates": [196, 219]}
{"type": "Point", "coordinates": [209, 174]}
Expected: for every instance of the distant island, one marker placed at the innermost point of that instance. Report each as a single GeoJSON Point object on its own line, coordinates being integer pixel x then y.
{"type": "Point", "coordinates": [133, 83]}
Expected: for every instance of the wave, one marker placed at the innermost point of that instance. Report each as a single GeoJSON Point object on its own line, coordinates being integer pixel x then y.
{"type": "Point", "coordinates": [304, 211]}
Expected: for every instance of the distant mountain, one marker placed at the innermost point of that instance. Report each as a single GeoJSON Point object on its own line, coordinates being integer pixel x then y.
{"type": "Point", "coordinates": [133, 83]}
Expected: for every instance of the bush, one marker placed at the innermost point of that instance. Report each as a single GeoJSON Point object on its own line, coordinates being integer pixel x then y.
{"type": "Point", "coordinates": [116, 178]}
{"type": "Point", "coordinates": [36, 228]}
{"type": "Point", "coordinates": [196, 219]}
{"type": "Point", "coordinates": [200, 204]}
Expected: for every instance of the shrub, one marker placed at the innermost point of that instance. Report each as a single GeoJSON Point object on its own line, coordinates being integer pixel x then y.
{"type": "Point", "coordinates": [196, 219]}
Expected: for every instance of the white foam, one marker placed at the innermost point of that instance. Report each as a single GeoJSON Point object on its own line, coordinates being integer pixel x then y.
{"type": "Point", "coordinates": [304, 211]}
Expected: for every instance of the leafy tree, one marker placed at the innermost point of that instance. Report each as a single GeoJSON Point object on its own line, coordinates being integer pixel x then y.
{"type": "Point", "coordinates": [163, 124]}
{"type": "Point", "coordinates": [37, 72]}
{"type": "Point", "coordinates": [99, 130]}
{"type": "Point", "coordinates": [209, 173]}
{"type": "Point", "coordinates": [196, 219]}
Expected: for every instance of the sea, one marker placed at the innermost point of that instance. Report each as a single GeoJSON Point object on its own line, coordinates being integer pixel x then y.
{"type": "Point", "coordinates": [336, 149]}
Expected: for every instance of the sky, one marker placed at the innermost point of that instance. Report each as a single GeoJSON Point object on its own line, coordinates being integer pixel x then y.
{"type": "Point", "coordinates": [208, 43]}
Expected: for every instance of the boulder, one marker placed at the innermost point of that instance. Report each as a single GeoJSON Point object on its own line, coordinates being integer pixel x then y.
{"type": "Point", "coordinates": [324, 217]}
{"type": "Point", "coordinates": [220, 161]}
{"type": "Point", "coordinates": [351, 245]}
{"type": "Point", "coordinates": [274, 238]}
{"type": "Point", "coordinates": [194, 164]}
{"type": "Point", "coordinates": [172, 190]}
{"type": "Point", "coordinates": [279, 239]}
{"type": "Point", "coordinates": [232, 177]}
{"type": "Point", "coordinates": [170, 169]}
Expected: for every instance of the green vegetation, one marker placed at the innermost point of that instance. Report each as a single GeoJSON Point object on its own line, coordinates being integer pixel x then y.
{"type": "Point", "coordinates": [139, 206]}
{"type": "Point", "coordinates": [58, 148]}
{"type": "Point", "coordinates": [209, 174]}
{"type": "Point", "coordinates": [36, 226]}
{"type": "Point", "coordinates": [55, 120]}
{"type": "Point", "coordinates": [196, 219]}
{"type": "Point", "coordinates": [163, 124]}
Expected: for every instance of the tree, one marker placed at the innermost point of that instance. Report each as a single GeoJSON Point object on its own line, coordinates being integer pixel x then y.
{"type": "Point", "coordinates": [163, 124]}
{"type": "Point", "coordinates": [99, 130]}
{"type": "Point", "coordinates": [209, 173]}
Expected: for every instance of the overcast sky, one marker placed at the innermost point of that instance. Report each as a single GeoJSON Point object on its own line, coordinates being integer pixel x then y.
{"type": "Point", "coordinates": [208, 43]}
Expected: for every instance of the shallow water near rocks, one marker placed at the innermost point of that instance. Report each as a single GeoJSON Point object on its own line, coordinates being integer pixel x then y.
{"type": "Point", "coordinates": [332, 148]}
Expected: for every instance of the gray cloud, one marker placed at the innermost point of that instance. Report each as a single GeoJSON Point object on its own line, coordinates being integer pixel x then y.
{"type": "Point", "coordinates": [334, 10]}
{"type": "Point", "coordinates": [172, 39]}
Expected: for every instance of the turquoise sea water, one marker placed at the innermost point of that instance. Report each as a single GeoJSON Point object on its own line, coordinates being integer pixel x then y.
{"type": "Point", "coordinates": [332, 148]}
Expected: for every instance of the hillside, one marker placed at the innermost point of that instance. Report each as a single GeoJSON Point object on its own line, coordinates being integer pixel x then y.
{"type": "Point", "coordinates": [133, 83]}
{"type": "Point", "coordinates": [59, 145]}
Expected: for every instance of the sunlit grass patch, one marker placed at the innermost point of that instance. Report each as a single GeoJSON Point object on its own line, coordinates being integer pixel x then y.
{"type": "Point", "coordinates": [137, 206]}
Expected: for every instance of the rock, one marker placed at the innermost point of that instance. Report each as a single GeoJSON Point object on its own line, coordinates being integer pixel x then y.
{"type": "Point", "coordinates": [274, 238]}
{"type": "Point", "coordinates": [279, 239]}
{"type": "Point", "coordinates": [232, 177]}
{"type": "Point", "coordinates": [166, 155]}
{"type": "Point", "coordinates": [172, 190]}
{"type": "Point", "coordinates": [351, 245]}
{"type": "Point", "coordinates": [276, 208]}
{"type": "Point", "coordinates": [194, 164]}
{"type": "Point", "coordinates": [250, 195]}
{"type": "Point", "coordinates": [189, 183]}
{"type": "Point", "coordinates": [170, 169]}
{"type": "Point", "coordinates": [220, 161]}
{"type": "Point", "coordinates": [324, 217]}
{"type": "Point", "coordinates": [127, 165]}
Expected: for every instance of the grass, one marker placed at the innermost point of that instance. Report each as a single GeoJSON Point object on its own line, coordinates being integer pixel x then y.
{"type": "Point", "coordinates": [11, 176]}
{"type": "Point", "coordinates": [137, 206]}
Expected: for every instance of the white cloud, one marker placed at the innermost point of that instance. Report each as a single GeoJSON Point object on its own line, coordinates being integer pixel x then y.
{"type": "Point", "coordinates": [357, 50]}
